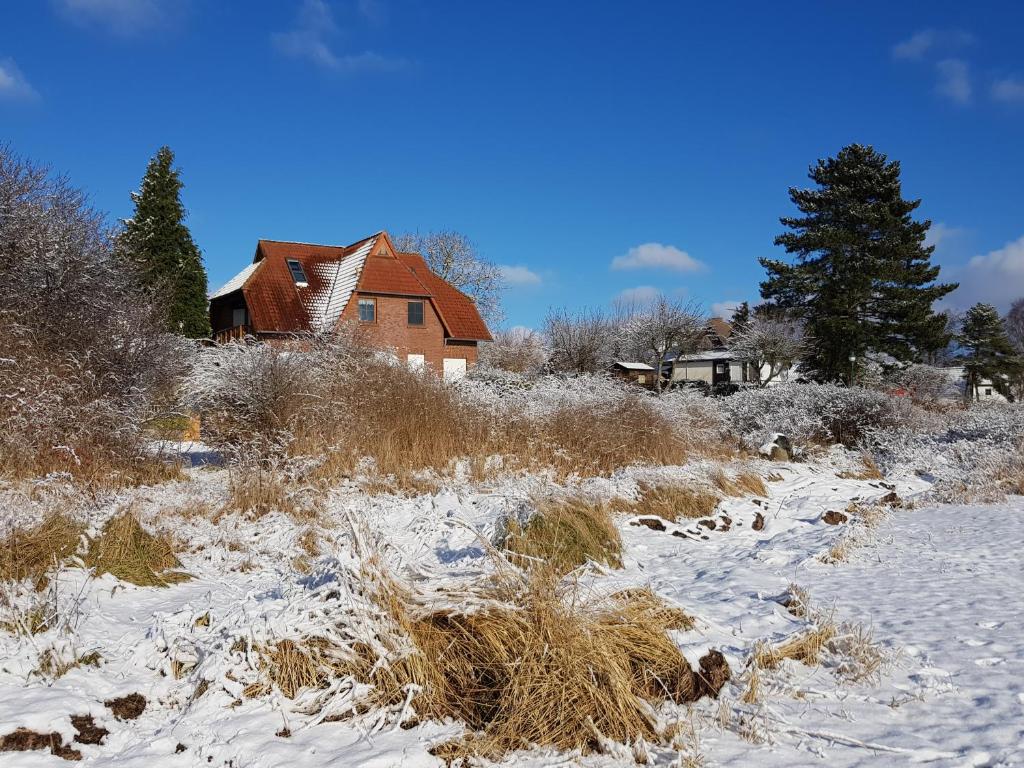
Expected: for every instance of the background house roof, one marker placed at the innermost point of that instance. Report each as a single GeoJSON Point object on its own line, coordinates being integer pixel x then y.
{"type": "Point", "coordinates": [277, 304]}
{"type": "Point", "coordinates": [458, 312]}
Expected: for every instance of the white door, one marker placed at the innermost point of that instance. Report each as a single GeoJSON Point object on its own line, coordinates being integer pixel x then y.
{"type": "Point", "coordinates": [416, 362]}
{"type": "Point", "coordinates": [454, 368]}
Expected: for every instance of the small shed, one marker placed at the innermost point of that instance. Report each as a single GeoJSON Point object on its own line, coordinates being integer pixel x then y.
{"type": "Point", "coordinates": [635, 373]}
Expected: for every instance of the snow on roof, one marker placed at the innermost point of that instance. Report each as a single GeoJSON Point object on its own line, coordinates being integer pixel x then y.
{"type": "Point", "coordinates": [711, 354]}
{"type": "Point", "coordinates": [340, 279]}
{"type": "Point", "coordinates": [235, 282]}
{"type": "Point", "coordinates": [634, 366]}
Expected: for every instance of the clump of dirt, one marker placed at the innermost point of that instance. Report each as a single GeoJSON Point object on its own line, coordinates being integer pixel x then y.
{"type": "Point", "coordinates": [127, 707]}
{"type": "Point", "coordinates": [758, 524]}
{"type": "Point", "coordinates": [834, 518]}
{"type": "Point", "coordinates": [24, 740]}
{"type": "Point", "coordinates": [88, 731]}
{"type": "Point", "coordinates": [649, 522]}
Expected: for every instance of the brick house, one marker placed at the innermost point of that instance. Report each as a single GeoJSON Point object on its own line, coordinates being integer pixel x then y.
{"type": "Point", "coordinates": [395, 300]}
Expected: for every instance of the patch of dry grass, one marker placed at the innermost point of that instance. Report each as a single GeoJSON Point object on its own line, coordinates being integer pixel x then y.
{"type": "Point", "coordinates": [34, 552]}
{"type": "Point", "coordinates": [127, 551]}
{"type": "Point", "coordinates": [564, 534]}
{"type": "Point", "coordinates": [869, 470]}
{"type": "Point", "coordinates": [671, 501]}
{"type": "Point", "coordinates": [545, 670]}
{"type": "Point", "coordinates": [745, 483]}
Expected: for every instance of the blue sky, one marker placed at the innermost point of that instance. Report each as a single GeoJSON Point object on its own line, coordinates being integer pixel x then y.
{"type": "Point", "coordinates": [591, 148]}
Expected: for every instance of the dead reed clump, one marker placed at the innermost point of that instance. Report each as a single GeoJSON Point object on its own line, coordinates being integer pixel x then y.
{"type": "Point", "coordinates": [255, 491]}
{"type": "Point", "coordinates": [564, 534]}
{"type": "Point", "coordinates": [577, 439]}
{"type": "Point", "coordinates": [803, 647]}
{"type": "Point", "coordinates": [869, 470]}
{"type": "Point", "coordinates": [32, 553]}
{"type": "Point", "coordinates": [746, 483]}
{"type": "Point", "coordinates": [671, 501]}
{"type": "Point", "coordinates": [291, 667]}
{"type": "Point", "coordinates": [128, 552]}
{"type": "Point", "coordinates": [548, 670]}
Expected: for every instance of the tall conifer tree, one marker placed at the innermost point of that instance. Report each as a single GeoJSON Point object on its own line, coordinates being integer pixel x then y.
{"type": "Point", "coordinates": [862, 280]}
{"type": "Point", "coordinates": [157, 239]}
{"type": "Point", "coordinates": [988, 352]}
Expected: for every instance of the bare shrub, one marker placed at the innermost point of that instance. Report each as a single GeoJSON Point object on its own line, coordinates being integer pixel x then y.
{"type": "Point", "coordinates": [581, 342]}
{"type": "Point", "coordinates": [814, 414]}
{"type": "Point", "coordinates": [84, 359]}
{"type": "Point", "coordinates": [517, 350]}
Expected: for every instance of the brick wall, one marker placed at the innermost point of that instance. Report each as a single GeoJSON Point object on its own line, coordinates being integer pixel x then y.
{"type": "Point", "coordinates": [392, 329]}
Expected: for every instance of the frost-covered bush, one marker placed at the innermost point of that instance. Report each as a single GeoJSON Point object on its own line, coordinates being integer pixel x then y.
{"type": "Point", "coordinates": [83, 354]}
{"type": "Point", "coordinates": [516, 350]}
{"type": "Point", "coordinates": [971, 454]}
{"type": "Point", "coordinates": [926, 385]}
{"type": "Point", "coordinates": [819, 414]}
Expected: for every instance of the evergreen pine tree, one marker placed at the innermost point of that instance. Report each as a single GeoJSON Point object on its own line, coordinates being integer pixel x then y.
{"type": "Point", "coordinates": [863, 279]}
{"type": "Point", "coordinates": [988, 352]}
{"type": "Point", "coordinates": [158, 241]}
{"type": "Point", "coordinates": [740, 318]}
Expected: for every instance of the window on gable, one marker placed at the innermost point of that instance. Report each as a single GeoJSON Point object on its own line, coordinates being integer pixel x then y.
{"type": "Point", "coordinates": [298, 275]}
{"type": "Point", "coordinates": [415, 313]}
{"type": "Point", "coordinates": [368, 310]}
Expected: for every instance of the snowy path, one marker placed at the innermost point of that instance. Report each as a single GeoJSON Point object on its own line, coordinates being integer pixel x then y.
{"type": "Point", "coordinates": [947, 585]}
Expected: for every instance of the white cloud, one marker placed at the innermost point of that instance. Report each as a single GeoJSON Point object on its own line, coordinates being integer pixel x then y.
{"type": "Point", "coordinates": [941, 233]}
{"type": "Point", "coordinates": [519, 275]}
{"type": "Point", "coordinates": [724, 309]}
{"type": "Point", "coordinates": [996, 277]}
{"type": "Point", "coordinates": [13, 85]}
{"type": "Point", "coordinates": [927, 40]}
{"type": "Point", "coordinates": [123, 17]}
{"type": "Point", "coordinates": [954, 80]}
{"type": "Point", "coordinates": [311, 36]}
{"type": "Point", "coordinates": [1009, 90]}
{"type": "Point", "coordinates": [657, 256]}
{"type": "Point", "coordinates": [642, 294]}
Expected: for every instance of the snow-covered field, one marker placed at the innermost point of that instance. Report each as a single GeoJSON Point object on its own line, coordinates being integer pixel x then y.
{"type": "Point", "coordinates": [940, 590]}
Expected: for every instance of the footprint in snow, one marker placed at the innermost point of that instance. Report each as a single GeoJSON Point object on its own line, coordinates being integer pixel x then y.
{"type": "Point", "coordinates": [990, 624]}
{"type": "Point", "coordinates": [991, 661]}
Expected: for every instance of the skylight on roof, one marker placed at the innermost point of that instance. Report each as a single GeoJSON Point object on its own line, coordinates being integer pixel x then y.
{"type": "Point", "coordinates": [298, 275]}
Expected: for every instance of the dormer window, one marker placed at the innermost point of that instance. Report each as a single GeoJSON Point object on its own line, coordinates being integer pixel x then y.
{"type": "Point", "coordinates": [298, 275]}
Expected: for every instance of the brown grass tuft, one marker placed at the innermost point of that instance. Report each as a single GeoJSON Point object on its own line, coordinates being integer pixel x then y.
{"type": "Point", "coordinates": [127, 551]}
{"type": "Point", "coordinates": [869, 470]}
{"type": "Point", "coordinates": [32, 553]}
{"type": "Point", "coordinates": [672, 501]}
{"type": "Point", "coordinates": [564, 534]}
{"type": "Point", "coordinates": [549, 670]}
{"type": "Point", "coordinates": [746, 483]}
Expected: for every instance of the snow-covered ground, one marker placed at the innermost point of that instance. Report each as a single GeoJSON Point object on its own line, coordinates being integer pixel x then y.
{"type": "Point", "coordinates": [941, 589]}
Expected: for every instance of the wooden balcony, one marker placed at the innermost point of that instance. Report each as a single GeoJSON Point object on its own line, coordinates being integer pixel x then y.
{"type": "Point", "coordinates": [237, 333]}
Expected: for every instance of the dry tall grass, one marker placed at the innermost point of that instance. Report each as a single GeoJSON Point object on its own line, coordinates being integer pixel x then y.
{"type": "Point", "coordinates": [564, 534]}
{"type": "Point", "coordinates": [672, 501]}
{"type": "Point", "coordinates": [547, 669]}
{"type": "Point", "coordinates": [745, 483]}
{"type": "Point", "coordinates": [127, 551]}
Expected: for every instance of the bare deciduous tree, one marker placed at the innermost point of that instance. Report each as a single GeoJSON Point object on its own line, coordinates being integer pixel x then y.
{"type": "Point", "coordinates": [659, 331]}
{"type": "Point", "coordinates": [454, 257]}
{"type": "Point", "coordinates": [519, 350]}
{"type": "Point", "coordinates": [770, 344]}
{"type": "Point", "coordinates": [580, 342]}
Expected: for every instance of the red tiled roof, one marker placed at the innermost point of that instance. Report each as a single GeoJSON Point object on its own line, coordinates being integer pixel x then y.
{"type": "Point", "coordinates": [277, 304]}
{"type": "Point", "coordinates": [386, 274]}
{"type": "Point", "coordinates": [458, 312]}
